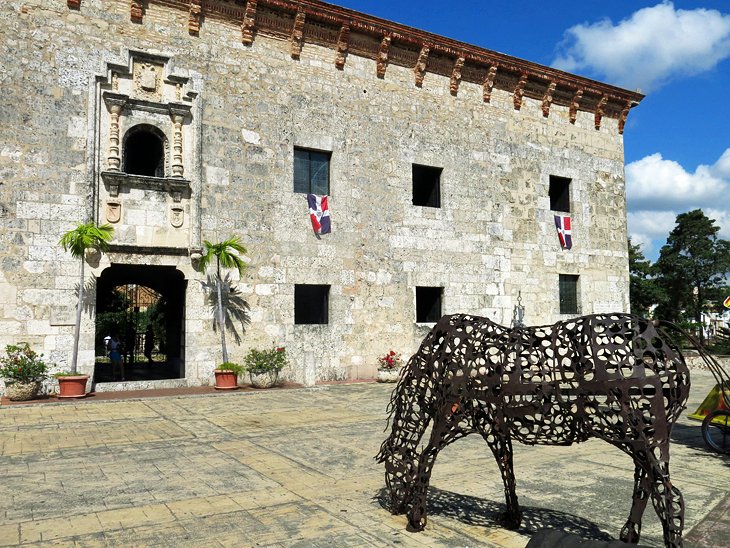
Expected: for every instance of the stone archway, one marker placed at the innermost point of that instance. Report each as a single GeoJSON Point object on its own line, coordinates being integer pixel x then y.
{"type": "Point", "coordinates": [131, 298]}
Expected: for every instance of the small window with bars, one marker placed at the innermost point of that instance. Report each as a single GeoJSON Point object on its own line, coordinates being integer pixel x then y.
{"type": "Point", "coordinates": [568, 294]}
{"type": "Point", "coordinates": [312, 171]}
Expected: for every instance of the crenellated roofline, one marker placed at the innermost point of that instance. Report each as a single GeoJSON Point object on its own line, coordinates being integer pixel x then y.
{"type": "Point", "coordinates": [348, 32]}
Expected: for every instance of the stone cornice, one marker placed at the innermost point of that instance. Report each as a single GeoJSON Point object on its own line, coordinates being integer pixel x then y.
{"type": "Point", "coordinates": [348, 32]}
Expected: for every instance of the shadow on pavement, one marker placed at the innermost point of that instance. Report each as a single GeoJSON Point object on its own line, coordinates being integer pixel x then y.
{"type": "Point", "coordinates": [487, 513]}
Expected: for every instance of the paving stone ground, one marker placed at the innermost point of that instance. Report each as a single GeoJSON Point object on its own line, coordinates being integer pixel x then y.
{"type": "Point", "coordinates": [295, 468]}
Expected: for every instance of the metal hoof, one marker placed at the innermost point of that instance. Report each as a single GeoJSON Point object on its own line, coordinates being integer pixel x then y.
{"type": "Point", "coordinates": [630, 533]}
{"type": "Point", "coordinates": [415, 527]}
{"type": "Point", "coordinates": [511, 521]}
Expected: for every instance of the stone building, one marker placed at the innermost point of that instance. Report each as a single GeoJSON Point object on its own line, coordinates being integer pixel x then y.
{"type": "Point", "coordinates": [183, 121]}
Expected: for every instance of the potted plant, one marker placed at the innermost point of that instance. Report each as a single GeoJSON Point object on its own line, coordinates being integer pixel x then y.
{"type": "Point", "coordinates": [226, 376]}
{"type": "Point", "coordinates": [227, 255]}
{"type": "Point", "coordinates": [389, 366]}
{"type": "Point", "coordinates": [263, 366]}
{"type": "Point", "coordinates": [23, 370]}
{"type": "Point", "coordinates": [85, 238]}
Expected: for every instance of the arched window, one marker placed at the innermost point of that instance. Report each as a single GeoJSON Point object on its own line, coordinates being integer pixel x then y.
{"type": "Point", "coordinates": [144, 151]}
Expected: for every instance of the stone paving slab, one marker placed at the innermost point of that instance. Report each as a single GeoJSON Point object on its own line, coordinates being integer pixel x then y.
{"type": "Point", "coordinates": [295, 468]}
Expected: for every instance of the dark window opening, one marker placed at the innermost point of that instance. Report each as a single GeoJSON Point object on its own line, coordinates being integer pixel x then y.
{"type": "Point", "coordinates": [568, 294]}
{"type": "Point", "coordinates": [559, 194]}
{"type": "Point", "coordinates": [428, 304]}
{"type": "Point", "coordinates": [144, 153]}
{"type": "Point", "coordinates": [312, 171]}
{"type": "Point", "coordinates": [426, 186]}
{"type": "Point", "coordinates": [311, 304]}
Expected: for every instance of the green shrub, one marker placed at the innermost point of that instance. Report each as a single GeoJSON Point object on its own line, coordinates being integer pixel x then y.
{"type": "Point", "coordinates": [264, 361]}
{"type": "Point", "coordinates": [22, 364]}
{"type": "Point", "coordinates": [232, 367]}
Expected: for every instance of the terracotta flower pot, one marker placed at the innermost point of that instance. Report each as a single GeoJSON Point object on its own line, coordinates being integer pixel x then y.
{"type": "Point", "coordinates": [72, 386]}
{"type": "Point", "coordinates": [264, 380]}
{"type": "Point", "coordinates": [22, 391]}
{"type": "Point", "coordinates": [225, 380]}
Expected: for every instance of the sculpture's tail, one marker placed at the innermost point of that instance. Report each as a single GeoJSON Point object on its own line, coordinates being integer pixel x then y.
{"type": "Point", "coordinates": [717, 370]}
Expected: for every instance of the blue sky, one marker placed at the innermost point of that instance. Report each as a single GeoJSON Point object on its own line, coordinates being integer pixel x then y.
{"type": "Point", "coordinates": [677, 141]}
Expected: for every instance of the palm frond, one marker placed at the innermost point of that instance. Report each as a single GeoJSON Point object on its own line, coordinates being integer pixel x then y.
{"type": "Point", "coordinates": [87, 236]}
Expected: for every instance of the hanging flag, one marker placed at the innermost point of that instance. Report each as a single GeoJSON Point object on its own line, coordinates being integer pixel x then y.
{"type": "Point", "coordinates": [562, 223]}
{"type": "Point", "coordinates": [727, 303]}
{"type": "Point", "coordinates": [319, 213]}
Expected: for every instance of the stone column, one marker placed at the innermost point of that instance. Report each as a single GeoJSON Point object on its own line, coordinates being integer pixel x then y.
{"type": "Point", "coordinates": [115, 103]}
{"type": "Point", "coordinates": [178, 113]}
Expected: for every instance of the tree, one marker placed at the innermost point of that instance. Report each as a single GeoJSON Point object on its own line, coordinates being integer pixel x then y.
{"type": "Point", "coordinates": [644, 291]}
{"type": "Point", "coordinates": [692, 266]}
{"type": "Point", "coordinates": [83, 238]}
{"type": "Point", "coordinates": [226, 255]}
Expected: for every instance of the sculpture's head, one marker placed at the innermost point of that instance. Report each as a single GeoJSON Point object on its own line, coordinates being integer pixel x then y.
{"type": "Point", "coordinates": [400, 475]}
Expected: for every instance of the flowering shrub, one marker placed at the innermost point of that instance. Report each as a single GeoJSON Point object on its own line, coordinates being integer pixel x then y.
{"type": "Point", "coordinates": [263, 361]}
{"type": "Point", "coordinates": [22, 364]}
{"type": "Point", "coordinates": [391, 360]}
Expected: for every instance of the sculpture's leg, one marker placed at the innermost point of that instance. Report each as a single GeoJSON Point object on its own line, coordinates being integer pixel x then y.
{"type": "Point", "coordinates": [501, 446]}
{"type": "Point", "coordinates": [417, 513]}
{"type": "Point", "coordinates": [668, 502]}
{"type": "Point", "coordinates": [642, 490]}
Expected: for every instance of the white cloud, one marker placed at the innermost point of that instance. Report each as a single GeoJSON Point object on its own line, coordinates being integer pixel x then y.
{"type": "Point", "coordinates": [656, 183]}
{"type": "Point", "coordinates": [657, 190]}
{"type": "Point", "coordinates": [649, 48]}
{"type": "Point", "coordinates": [649, 229]}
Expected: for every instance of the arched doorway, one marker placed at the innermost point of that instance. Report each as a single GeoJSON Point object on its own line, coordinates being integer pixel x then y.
{"type": "Point", "coordinates": [145, 307]}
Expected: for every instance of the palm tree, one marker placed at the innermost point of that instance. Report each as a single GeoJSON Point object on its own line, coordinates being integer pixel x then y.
{"type": "Point", "coordinates": [84, 237]}
{"type": "Point", "coordinates": [227, 255]}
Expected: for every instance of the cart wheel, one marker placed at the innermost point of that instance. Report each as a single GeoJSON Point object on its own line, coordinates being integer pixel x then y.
{"type": "Point", "coordinates": [716, 430]}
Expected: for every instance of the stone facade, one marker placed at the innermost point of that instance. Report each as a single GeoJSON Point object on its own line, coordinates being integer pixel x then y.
{"type": "Point", "coordinates": [231, 88]}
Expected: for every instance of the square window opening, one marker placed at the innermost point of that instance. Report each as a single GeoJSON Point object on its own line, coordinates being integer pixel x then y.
{"type": "Point", "coordinates": [559, 194]}
{"type": "Point", "coordinates": [428, 304]}
{"type": "Point", "coordinates": [311, 304]}
{"type": "Point", "coordinates": [568, 294]}
{"type": "Point", "coordinates": [312, 171]}
{"type": "Point", "coordinates": [427, 186]}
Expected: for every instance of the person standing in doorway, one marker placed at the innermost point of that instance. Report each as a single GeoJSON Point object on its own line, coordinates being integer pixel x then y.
{"type": "Point", "coordinates": [149, 343]}
{"type": "Point", "coordinates": [115, 355]}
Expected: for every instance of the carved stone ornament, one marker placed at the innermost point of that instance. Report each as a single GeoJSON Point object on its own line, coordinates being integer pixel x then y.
{"type": "Point", "coordinates": [148, 80]}
{"type": "Point", "coordinates": [297, 35]}
{"type": "Point", "coordinates": [136, 11]}
{"type": "Point", "coordinates": [420, 69]}
{"type": "Point", "coordinates": [249, 23]}
{"type": "Point", "coordinates": [519, 91]}
{"type": "Point", "coordinates": [113, 211]}
{"type": "Point", "coordinates": [489, 84]}
{"type": "Point", "coordinates": [177, 216]}
{"type": "Point", "coordinates": [194, 16]}
{"type": "Point", "coordinates": [382, 61]}
{"type": "Point", "coordinates": [574, 105]}
{"type": "Point", "coordinates": [547, 100]}
{"type": "Point", "coordinates": [456, 76]}
{"type": "Point", "coordinates": [598, 116]}
{"type": "Point", "coordinates": [342, 45]}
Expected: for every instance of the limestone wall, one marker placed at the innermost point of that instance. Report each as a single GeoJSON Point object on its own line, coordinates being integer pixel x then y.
{"type": "Point", "coordinates": [492, 236]}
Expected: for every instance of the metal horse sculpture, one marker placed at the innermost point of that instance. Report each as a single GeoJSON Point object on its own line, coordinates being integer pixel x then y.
{"type": "Point", "coordinates": [615, 377]}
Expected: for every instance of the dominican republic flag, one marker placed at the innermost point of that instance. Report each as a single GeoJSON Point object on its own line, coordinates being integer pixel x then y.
{"type": "Point", "coordinates": [727, 303]}
{"type": "Point", "coordinates": [562, 223]}
{"type": "Point", "coordinates": [319, 213]}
